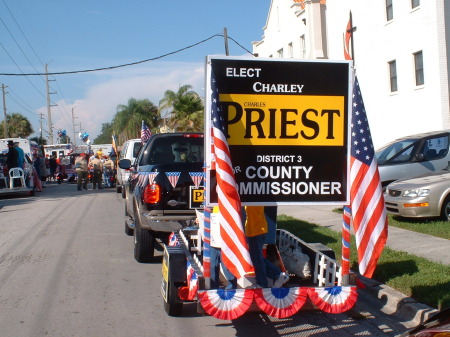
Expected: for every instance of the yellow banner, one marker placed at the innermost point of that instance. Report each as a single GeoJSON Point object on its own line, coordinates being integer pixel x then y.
{"type": "Point", "coordinates": [291, 120]}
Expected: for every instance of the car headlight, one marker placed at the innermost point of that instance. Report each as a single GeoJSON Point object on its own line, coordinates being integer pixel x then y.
{"type": "Point", "coordinates": [416, 193]}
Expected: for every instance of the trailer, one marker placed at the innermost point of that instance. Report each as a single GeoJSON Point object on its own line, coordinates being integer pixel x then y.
{"type": "Point", "coordinates": [316, 284]}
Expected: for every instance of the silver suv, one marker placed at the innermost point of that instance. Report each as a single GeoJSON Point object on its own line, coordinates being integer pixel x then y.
{"type": "Point", "coordinates": [130, 150]}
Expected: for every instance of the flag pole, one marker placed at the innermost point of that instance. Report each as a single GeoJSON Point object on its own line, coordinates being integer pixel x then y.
{"type": "Point", "coordinates": [352, 29]}
{"type": "Point", "coordinates": [346, 216]}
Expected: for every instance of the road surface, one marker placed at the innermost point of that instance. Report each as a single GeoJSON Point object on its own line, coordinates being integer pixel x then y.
{"type": "Point", "coordinates": [67, 269]}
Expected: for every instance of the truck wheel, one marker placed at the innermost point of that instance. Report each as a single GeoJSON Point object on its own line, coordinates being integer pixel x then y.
{"type": "Point", "coordinates": [128, 231]}
{"type": "Point", "coordinates": [144, 243]}
{"type": "Point", "coordinates": [172, 306]}
{"type": "Point", "coordinates": [124, 192]}
{"type": "Point", "coordinates": [118, 188]}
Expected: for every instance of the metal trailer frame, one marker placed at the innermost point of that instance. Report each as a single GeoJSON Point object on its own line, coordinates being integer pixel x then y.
{"type": "Point", "coordinates": [326, 272]}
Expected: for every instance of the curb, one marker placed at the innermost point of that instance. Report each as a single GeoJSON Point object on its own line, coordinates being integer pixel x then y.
{"type": "Point", "coordinates": [393, 302]}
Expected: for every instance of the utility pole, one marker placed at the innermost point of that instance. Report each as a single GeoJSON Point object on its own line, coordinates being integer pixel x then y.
{"type": "Point", "coordinates": [49, 111]}
{"type": "Point", "coordinates": [225, 36]}
{"type": "Point", "coordinates": [41, 117]}
{"type": "Point", "coordinates": [5, 126]}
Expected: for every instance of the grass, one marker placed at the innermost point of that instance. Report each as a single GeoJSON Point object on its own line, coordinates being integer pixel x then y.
{"type": "Point", "coordinates": [425, 281]}
{"type": "Point", "coordinates": [431, 226]}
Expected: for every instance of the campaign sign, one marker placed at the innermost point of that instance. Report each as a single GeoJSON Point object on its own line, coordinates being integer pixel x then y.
{"type": "Point", "coordinates": [287, 126]}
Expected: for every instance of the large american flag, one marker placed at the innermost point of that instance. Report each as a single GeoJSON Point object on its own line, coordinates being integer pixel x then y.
{"type": "Point", "coordinates": [368, 211]}
{"type": "Point", "coordinates": [235, 253]}
{"type": "Point", "coordinates": [146, 133]}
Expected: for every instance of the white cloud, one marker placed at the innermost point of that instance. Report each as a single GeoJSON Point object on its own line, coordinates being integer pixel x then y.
{"type": "Point", "coordinates": [100, 101]}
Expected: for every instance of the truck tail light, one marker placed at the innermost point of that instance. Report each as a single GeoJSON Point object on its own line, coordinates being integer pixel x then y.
{"type": "Point", "coordinates": [152, 194]}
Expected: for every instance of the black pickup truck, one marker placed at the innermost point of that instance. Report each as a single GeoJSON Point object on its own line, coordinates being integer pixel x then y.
{"type": "Point", "coordinates": [164, 189]}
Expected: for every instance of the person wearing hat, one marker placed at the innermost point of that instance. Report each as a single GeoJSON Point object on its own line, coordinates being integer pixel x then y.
{"type": "Point", "coordinates": [81, 167]}
{"type": "Point", "coordinates": [12, 158]}
{"type": "Point", "coordinates": [96, 165]}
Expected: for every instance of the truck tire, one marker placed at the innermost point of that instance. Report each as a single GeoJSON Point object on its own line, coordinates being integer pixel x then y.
{"type": "Point", "coordinates": [124, 192]}
{"type": "Point", "coordinates": [118, 188]}
{"type": "Point", "coordinates": [128, 231]}
{"type": "Point", "coordinates": [144, 243]}
{"type": "Point", "coordinates": [172, 306]}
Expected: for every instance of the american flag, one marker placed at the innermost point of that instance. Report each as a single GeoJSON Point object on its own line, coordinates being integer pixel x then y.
{"type": "Point", "coordinates": [235, 253]}
{"type": "Point", "coordinates": [366, 195]}
{"type": "Point", "coordinates": [145, 133]}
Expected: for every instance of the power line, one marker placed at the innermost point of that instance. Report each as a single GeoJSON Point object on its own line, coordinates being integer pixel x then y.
{"type": "Point", "coordinates": [22, 73]}
{"type": "Point", "coordinates": [128, 64]}
{"type": "Point", "coordinates": [23, 34]}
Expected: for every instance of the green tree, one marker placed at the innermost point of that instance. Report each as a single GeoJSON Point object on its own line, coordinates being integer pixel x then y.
{"type": "Point", "coordinates": [186, 109]}
{"type": "Point", "coordinates": [17, 126]}
{"type": "Point", "coordinates": [39, 140]}
{"type": "Point", "coordinates": [128, 120]}
{"type": "Point", "coordinates": [105, 136]}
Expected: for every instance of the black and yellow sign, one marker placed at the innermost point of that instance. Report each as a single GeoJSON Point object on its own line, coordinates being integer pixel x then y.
{"type": "Point", "coordinates": [286, 124]}
{"type": "Point", "coordinates": [196, 197]}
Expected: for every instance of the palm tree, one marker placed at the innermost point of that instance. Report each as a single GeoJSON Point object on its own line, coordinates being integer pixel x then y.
{"type": "Point", "coordinates": [128, 120]}
{"type": "Point", "coordinates": [187, 109]}
{"type": "Point", "coordinates": [18, 126]}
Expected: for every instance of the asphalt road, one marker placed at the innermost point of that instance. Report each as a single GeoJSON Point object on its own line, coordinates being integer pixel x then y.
{"type": "Point", "coordinates": [67, 269]}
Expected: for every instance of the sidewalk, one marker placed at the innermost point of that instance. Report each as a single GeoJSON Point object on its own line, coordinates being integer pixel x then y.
{"type": "Point", "coordinates": [423, 245]}
{"type": "Point", "coordinates": [389, 300]}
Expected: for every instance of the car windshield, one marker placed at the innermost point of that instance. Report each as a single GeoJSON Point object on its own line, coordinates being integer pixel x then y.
{"type": "Point", "coordinates": [397, 152]}
{"type": "Point", "coordinates": [173, 149]}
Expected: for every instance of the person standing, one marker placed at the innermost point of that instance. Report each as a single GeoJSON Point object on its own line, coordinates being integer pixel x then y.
{"type": "Point", "coordinates": [12, 158]}
{"type": "Point", "coordinates": [53, 166]}
{"type": "Point", "coordinates": [256, 228]}
{"type": "Point", "coordinates": [108, 171]}
{"type": "Point", "coordinates": [81, 167]}
{"type": "Point", "coordinates": [97, 165]}
{"type": "Point", "coordinates": [21, 155]}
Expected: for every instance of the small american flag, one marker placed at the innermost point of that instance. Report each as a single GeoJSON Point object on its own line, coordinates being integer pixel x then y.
{"type": "Point", "coordinates": [368, 211]}
{"type": "Point", "coordinates": [145, 133]}
{"type": "Point", "coordinates": [197, 178]}
{"type": "Point", "coordinates": [235, 253]}
{"type": "Point", "coordinates": [173, 178]}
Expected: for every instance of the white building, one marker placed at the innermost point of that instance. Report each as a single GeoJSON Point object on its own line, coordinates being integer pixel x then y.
{"type": "Point", "coordinates": [400, 55]}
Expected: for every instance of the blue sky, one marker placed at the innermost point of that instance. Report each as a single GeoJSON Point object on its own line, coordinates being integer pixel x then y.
{"type": "Point", "coordinates": [90, 34]}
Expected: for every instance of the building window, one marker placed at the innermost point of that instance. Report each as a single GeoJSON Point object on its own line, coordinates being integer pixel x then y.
{"type": "Point", "coordinates": [280, 53]}
{"type": "Point", "coordinates": [389, 10]}
{"type": "Point", "coordinates": [393, 75]}
{"type": "Point", "coordinates": [303, 46]}
{"type": "Point", "coordinates": [418, 67]}
{"type": "Point", "coordinates": [291, 50]}
{"type": "Point", "coordinates": [415, 3]}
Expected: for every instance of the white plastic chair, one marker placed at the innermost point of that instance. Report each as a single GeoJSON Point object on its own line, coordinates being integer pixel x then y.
{"type": "Point", "coordinates": [5, 180]}
{"type": "Point", "coordinates": [16, 173]}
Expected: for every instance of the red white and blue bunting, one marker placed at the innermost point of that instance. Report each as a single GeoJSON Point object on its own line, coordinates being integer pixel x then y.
{"type": "Point", "coordinates": [275, 302]}
{"type": "Point", "coordinates": [226, 304]}
{"type": "Point", "coordinates": [280, 302]}
{"type": "Point", "coordinates": [173, 178]}
{"type": "Point", "coordinates": [145, 178]}
{"type": "Point", "coordinates": [197, 178]}
{"type": "Point", "coordinates": [333, 300]}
